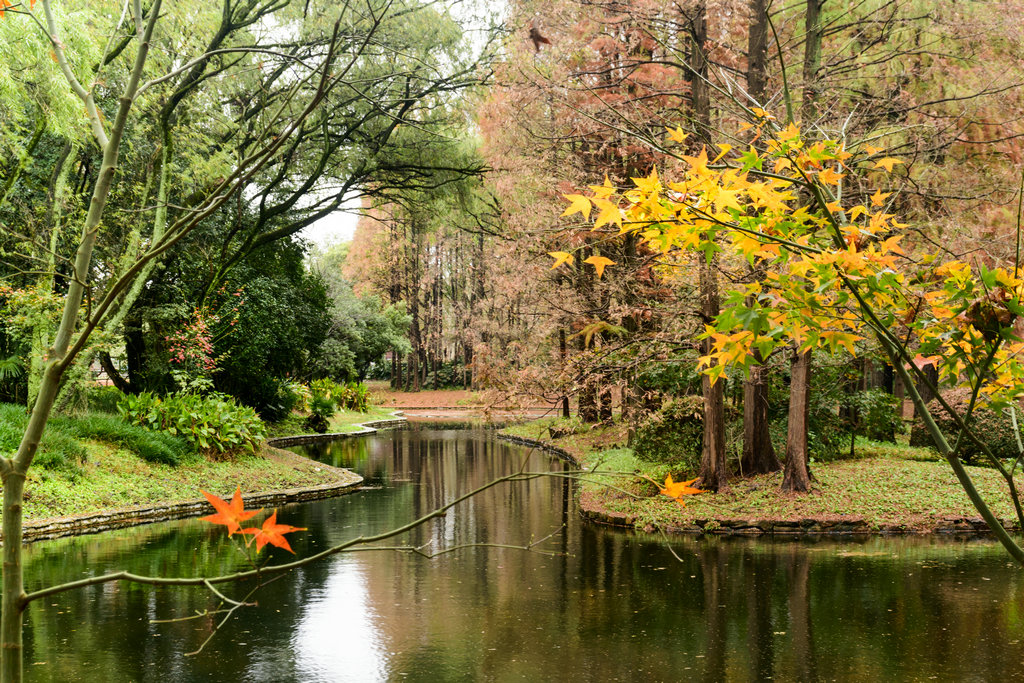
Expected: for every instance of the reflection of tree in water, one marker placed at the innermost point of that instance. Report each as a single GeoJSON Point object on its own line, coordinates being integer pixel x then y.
{"type": "Point", "coordinates": [610, 604]}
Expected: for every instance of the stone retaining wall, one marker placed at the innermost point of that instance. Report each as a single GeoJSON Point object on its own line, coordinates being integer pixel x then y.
{"type": "Point", "coordinates": [302, 439]}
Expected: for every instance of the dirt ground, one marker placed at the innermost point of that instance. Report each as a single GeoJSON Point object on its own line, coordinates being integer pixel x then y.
{"type": "Point", "coordinates": [448, 403]}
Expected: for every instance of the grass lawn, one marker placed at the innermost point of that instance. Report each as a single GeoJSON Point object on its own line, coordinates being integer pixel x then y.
{"type": "Point", "coordinates": [883, 485]}
{"type": "Point", "coordinates": [97, 462]}
{"type": "Point", "coordinates": [112, 477]}
{"type": "Point", "coordinates": [350, 421]}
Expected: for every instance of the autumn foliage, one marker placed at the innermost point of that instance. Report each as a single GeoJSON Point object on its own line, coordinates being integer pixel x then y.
{"type": "Point", "coordinates": [234, 513]}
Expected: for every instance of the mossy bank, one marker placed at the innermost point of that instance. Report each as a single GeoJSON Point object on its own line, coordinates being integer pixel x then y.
{"type": "Point", "coordinates": [884, 488]}
{"type": "Point", "coordinates": [98, 472]}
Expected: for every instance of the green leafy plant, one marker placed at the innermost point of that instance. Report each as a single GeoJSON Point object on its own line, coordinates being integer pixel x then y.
{"type": "Point", "coordinates": [674, 435]}
{"type": "Point", "coordinates": [321, 410]}
{"type": "Point", "coordinates": [214, 424]}
{"type": "Point", "coordinates": [152, 446]}
{"type": "Point", "coordinates": [58, 450]}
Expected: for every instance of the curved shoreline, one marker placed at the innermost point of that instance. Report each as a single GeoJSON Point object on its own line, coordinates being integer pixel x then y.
{"type": "Point", "coordinates": [591, 509]}
{"type": "Point", "coordinates": [346, 481]}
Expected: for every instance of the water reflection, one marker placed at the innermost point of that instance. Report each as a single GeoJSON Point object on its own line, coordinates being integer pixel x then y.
{"type": "Point", "coordinates": [608, 605]}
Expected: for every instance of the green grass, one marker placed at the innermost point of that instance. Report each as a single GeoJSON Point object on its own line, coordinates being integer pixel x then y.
{"type": "Point", "coordinates": [63, 444]}
{"type": "Point", "coordinates": [97, 461]}
{"type": "Point", "coordinates": [344, 421]}
{"type": "Point", "coordinates": [157, 447]}
{"type": "Point", "coordinates": [349, 420]}
{"type": "Point", "coordinates": [883, 484]}
{"type": "Point", "coordinates": [114, 477]}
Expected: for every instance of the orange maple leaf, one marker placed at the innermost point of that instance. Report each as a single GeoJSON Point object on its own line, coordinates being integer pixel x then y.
{"type": "Point", "coordinates": [677, 489]}
{"type": "Point", "coordinates": [230, 514]}
{"type": "Point", "coordinates": [273, 533]}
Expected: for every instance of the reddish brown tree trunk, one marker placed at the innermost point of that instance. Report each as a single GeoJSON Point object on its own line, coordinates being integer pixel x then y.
{"type": "Point", "coordinates": [797, 476]}
{"type": "Point", "coordinates": [714, 473]}
{"type": "Point", "coordinates": [757, 52]}
{"type": "Point", "coordinates": [758, 451]}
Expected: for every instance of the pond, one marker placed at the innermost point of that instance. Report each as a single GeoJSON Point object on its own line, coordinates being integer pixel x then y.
{"type": "Point", "coordinates": [588, 604]}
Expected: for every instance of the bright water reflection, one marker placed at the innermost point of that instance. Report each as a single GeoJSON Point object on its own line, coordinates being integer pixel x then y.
{"type": "Point", "coordinates": [608, 605]}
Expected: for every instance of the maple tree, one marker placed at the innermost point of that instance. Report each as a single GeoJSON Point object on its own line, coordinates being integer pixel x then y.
{"type": "Point", "coordinates": [833, 271]}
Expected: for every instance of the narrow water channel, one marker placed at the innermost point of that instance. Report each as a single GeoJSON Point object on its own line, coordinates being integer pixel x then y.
{"type": "Point", "coordinates": [590, 604]}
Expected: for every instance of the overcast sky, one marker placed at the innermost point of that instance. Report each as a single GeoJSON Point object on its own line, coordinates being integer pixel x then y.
{"type": "Point", "coordinates": [337, 227]}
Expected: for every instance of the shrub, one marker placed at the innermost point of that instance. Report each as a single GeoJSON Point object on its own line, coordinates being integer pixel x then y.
{"type": "Point", "coordinates": [58, 450]}
{"type": "Point", "coordinates": [321, 411]}
{"type": "Point", "coordinates": [878, 414]}
{"type": "Point", "coordinates": [301, 393]}
{"type": "Point", "coordinates": [270, 397]}
{"type": "Point", "coordinates": [159, 447]}
{"type": "Point", "coordinates": [674, 436]}
{"type": "Point", "coordinates": [567, 426]}
{"type": "Point", "coordinates": [995, 429]}
{"type": "Point", "coordinates": [351, 396]}
{"type": "Point", "coordinates": [214, 424]}
{"type": "Point", "coordinates": [354, 396]}
{"type": "Point", "coordinates": [103, 399]}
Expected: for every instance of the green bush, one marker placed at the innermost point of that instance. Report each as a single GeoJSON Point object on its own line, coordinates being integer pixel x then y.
{"type": "Point", "coordinates": [674, 436]}
{"type": "Point", "coordinates": [159, 447]}
{"type": "Point", "coordinates": [58, 450]}
{"type": "Point", "coordinates": [567, 426]}
{"type": "Point", "coordinates": [321, 410]}
{"type": "Point", "coordinates": [103, 399]}
{"type": "Point", "coordinates": [995, 429]}
{"type": "Point", "coordinates": [214, 424]}
{"type": "Point", "coordinates": [878, 414]}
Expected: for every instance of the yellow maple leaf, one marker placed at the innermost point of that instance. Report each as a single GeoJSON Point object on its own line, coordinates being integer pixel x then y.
{"type": "Point", "coordinates": [887, 163]}
{"type": "Point", "coordinates": [651, 184]}
{"type": "Point", "coordinates": [891, 245]}
{"type": "Point", "coordinates": [677, 489]}
{"type": "Point", "coordinates": [829, 177]}
{"type": "Point", "coordinates": [560, 258]}
{"type": "Point", "coordinates": [790, 133]}
{"type": "Point", "coordinates": [609, 213]}
{"type": "Point", "coordinates": [577, 204]}
{"type": "Point", "coordinates": [726, 148]}
{"type": "Point", "coordinates": [600, 263]}
{"type": "Point", "coordinates": [603, 191]}
{"type": "Point", "coordinates": [857, 211]}
{"type": "Point", "coordinates": [872, 150]}
{"type": "Point", "coordinates": [676, 135]}
{"type": "Point", "coordinates": [878, 198]}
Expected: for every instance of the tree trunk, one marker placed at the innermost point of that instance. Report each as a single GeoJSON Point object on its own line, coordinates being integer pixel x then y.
{"type": "Point", "coordinates": [700, 91]}
{"type": "Point", "coordinates": [605, 407]}
{"type": "Point", "coordinates": [713, 469]}
{"type": "Point", "coordinates": [757, 53]}
{"type": "Point", "coordinates": [14, 470]}
{"type": "Point", "coordinates": [108, 367]}
{"type": "Point", "coordinates": [812, 62]}
{"type": "Point", "coordinates": [758, 452]}
{"type": "Point", "coordinates": [588, 410]}
{"type": "Point", "coordinates": [797, 476]}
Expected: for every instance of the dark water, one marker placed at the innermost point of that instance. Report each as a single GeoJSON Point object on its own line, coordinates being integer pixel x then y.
{"type": "Point", "coordinates": [607, 605]}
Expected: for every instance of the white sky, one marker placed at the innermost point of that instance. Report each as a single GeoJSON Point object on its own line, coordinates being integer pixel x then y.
{"type": "Point", "coordinates": [339, 226]}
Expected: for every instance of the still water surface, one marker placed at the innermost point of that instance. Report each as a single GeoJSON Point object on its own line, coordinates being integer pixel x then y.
{"type": "Point", "coordinates": [604, 605]}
